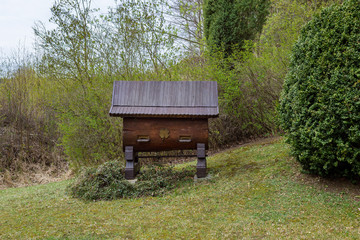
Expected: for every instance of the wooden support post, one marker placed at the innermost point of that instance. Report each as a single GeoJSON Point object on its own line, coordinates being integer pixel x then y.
{"type": "Point", "coordinates": [201, 164]}
{"type": "Point", "coordinates": [132, 165]}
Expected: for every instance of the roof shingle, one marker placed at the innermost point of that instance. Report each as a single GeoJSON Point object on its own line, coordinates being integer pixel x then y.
{"type": "Point", "coordinates": [156, 98]}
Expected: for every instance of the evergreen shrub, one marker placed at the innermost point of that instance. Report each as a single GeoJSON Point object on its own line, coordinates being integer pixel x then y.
{"type": "Point", "coordinates": [228, 23]}
{"type": "Point", "coordinates": [107, 182]}
{"type": "Point", "coordinates": [320, 103]}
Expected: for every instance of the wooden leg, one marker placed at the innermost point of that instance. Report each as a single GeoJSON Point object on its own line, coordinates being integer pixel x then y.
{"type": "Point", "coordinates": [130, 167]}
{"type": "Point", "coordinates": [201, 164]}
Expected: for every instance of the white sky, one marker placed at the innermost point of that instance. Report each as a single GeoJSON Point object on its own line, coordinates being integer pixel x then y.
{"type": "Point", "coordinates": [17, 17]}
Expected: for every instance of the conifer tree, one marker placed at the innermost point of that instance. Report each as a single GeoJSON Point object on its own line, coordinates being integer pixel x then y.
{"type": "Point", "coordinates": [227, 23]}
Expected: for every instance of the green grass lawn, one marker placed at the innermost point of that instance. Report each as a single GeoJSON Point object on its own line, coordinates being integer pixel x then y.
{"type": "Point", "coordinates": [256, 193]}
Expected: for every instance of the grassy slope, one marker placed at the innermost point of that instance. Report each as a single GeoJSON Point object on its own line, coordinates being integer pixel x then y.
{"type": "Point", "coordinates": [252, 195]}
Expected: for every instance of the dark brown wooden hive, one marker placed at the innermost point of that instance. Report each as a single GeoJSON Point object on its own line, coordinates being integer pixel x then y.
{"type": "Point", "coordinates": [161, 116]}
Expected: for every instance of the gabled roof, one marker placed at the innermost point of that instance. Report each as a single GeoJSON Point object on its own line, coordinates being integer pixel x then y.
{"type": "Point", "coordinates": [172, 99]}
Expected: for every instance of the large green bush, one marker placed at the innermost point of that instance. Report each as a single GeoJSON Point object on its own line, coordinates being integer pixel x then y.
{"type": "Point", "coordinates": [320, 103]}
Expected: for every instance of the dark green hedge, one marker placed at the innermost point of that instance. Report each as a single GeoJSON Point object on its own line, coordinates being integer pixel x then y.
{"type": "Point", "coordinates": [320, 103]}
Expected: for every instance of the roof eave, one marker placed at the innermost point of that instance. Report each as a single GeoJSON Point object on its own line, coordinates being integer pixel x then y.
{"type": "Point", "coordinates": [161, 115]}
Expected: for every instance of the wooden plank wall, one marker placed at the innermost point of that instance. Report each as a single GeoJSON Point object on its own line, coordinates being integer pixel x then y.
{"type": "Point", "coordinates": [137, 130]}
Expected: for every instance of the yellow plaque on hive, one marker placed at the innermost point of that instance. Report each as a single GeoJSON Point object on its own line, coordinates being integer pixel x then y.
{"type": "Point", "coordinates": [164, 133]}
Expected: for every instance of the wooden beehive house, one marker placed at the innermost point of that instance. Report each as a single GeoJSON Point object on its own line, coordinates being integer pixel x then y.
{"type": "Point", "coordinates": [163, 116]}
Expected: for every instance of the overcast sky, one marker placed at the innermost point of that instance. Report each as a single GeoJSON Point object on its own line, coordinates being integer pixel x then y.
{"type": "Point", "coordinates": [17, 17]}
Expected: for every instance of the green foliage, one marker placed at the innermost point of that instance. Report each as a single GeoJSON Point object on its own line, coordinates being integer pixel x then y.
{"type": "Point", "coordinates": [82, 56]}
{"type": "Point", "coordinates": [228, 23]}
{"type": "Point", "coordinates": [250, 89]}
{"type": "Point", "coordinates": [320, 102]}
{"type": "Point", "coordinates": [107, 182]}
{"type": "Point", "coordinates": [100, 183]}
{"type": "Point", "coordinates": [88, 134]}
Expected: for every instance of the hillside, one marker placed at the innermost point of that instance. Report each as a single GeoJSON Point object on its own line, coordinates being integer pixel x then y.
{"type": "Point", "coordinates": [256, 192]}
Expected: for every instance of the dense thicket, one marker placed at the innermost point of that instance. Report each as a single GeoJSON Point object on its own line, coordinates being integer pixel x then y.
{"type": "Point", "coordinates": [28, 130]}
{"type": "Point", "coordinates": [227, 24]}
{"type": "Point", "coordinates": [320, 103]}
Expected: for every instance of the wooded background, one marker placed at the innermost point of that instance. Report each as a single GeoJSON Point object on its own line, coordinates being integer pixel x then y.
{"type": "Point", "coordinates": [54, 99]}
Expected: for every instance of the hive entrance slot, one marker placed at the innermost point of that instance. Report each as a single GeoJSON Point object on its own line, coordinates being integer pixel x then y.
{"type": "Point", "coordinates": [185, 139]}
{"type": "Point", "coordinates": [143, 138]}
